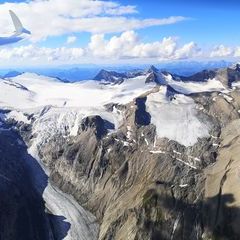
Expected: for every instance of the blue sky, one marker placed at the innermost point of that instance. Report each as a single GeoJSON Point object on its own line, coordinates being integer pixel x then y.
{"type": "Point", "coordinates": [213, 22]}
{"type": "Point", "coordinates": [208, 29]}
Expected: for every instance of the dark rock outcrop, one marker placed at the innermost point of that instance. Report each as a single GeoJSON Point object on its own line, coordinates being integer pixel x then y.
{"type": "Point", "coordinates": [22, 210]}
{"type": "Point", "coordinates": [95, 123]}
{"type": "Point", "coordinates": [142, 117]}
{"type": "Point", "coordinates": [110, 76]}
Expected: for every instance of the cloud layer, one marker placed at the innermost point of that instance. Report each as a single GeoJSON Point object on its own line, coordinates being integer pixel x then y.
{"type": "Point", "coordinates": [125, 46]}
{"type": "Point", "coordinates": [57, 17]}
{"type": "Point", "coordinates": [128, 45]}
{"type": "Point", "coordinates": [49, 18]}
{"type": "Point", "coordinates": [41, 54]}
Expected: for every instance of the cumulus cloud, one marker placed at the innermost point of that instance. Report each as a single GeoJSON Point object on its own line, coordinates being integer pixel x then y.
{"type": "Point", "coordinates": [71, 39]}
{"type": "Point", "coordinates": [123, 47]}
{"type": "Point", "coordinates": [128, 45]}
{"type": "Point", "coordinates": [189, 50]}
{"type": "Point", "coordinates": [35, 53]}
{"type": "Point", "coordinates": [237, 52]}
{"type": "Point", "coordinates": [222, 51]}
{"type": "Point", "coordinates": [57, 17]}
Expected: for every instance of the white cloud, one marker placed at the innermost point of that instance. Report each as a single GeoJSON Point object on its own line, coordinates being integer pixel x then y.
{"type": "Point", "coordinates": [121, 10]}
{"type": "Point", "coordinates": [71, 39]}
{"type": "Point", "coordinates": [128, 45]}
{"type": "Point", "coordinates": [221, 51]}
{"type": "Point", "coordinates": [43, 54]}
{"type": "Point", "coordinates": [124, 47]}
{"type": "Point", "coordinates": [189, 50]}
{"type": "Point", "coordinates": [56, 17]}
{"type": "Point", "coordinates": [237, 52]}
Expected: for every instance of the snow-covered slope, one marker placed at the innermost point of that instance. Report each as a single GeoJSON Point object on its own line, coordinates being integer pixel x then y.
{"type": "Point", "coordinates": [176, 119]}
{"type": "Point", "coordinates": [59, 107]}
{"type": "Point", "coordinates": [42, 91]}
{"type": "Point", "coordinates": [195, 87]}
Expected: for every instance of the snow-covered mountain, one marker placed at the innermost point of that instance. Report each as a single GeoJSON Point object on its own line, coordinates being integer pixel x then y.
{"type": "Point", "coordinates": [137, 152]}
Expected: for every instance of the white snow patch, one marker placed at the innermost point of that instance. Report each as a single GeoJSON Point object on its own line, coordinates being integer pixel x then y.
{"type": "Point", "coordinates": [236, 84]}
{"type": "Point", "coordinates": [18, 116]}
{"type": "Point", "coordinates": [200, 108]}
{"type": "Point", "coordinates": [146, 141]}
{"type": "Point", "coordinates": [157, 151]}
{"type": "Point", "coordinates": [183, 185]}
{"type": "Point", "coordinates": [189, 165]}
{"type": "Point", "coordinates": [214, 99]}
{"type": "Point", "coordinates": [210, 85]}
{"type": "Point", "coordinates": [178, 153]}
{"type": "Point", "coordinates": [194, 158]}
{"type": "Point", "coordinates": [155, 140]}
{"type": "Point", "coordinates": [126, 144]}
{"type": "Point", "coordinates": [129, 132]}
{"type": "Point", "coordinates": [175, 225]}
{"type": "Point", "coordinates": [176, 120]}
{"type": "Point", "coordinates": [226, 97]}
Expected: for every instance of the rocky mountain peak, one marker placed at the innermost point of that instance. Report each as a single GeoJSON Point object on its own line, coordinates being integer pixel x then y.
{"type": "Point", "coordinates": [201, 76]}
{"type": "Point", "coordinates": [155, 76]}
{"type": "Point", "coordinates": [95, 123]}
{"type": "Point", "coordinates": [109, 76]}
{"type": "Point", "coordinates": [152, 69]}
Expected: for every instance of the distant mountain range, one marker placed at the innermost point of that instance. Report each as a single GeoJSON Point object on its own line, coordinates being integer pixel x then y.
{"type": "Point", "coordinates": [79, 73]}
{"type": "Point", "coordinates": [226, 76]}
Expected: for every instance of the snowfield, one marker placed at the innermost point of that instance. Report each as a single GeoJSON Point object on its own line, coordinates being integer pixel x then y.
{"type": "Point", "coordinates": [210, 85]}
{"type": "Point", "coordinates": [39, 91]}
{"type": "Point", "coordinates": [59, 107]}
{"type": "Point", "coordinates": [177, 119]}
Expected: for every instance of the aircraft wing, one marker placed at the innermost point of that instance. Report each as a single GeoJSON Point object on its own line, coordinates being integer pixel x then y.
{"type": "Point", "coordinates": [17, 23]}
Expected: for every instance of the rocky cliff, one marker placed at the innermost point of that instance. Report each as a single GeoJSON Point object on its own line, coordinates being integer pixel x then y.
{"type": "Point", "coordinates": [169, 170]}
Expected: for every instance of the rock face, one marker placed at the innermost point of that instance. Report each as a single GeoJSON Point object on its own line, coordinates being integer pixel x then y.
{"type": "Point", "coordinates": [96, 123]}
{"type": "Point", "coordinates": [201, 76]}
{"type": "Point", "coordinates": [140, 186]}
{"type": "Point", "coordinates": [142, 117]}
{"type": "Point", "coordinates": [22, 210]}
{"type": "Point", "coordinates": [110, 76]}
{"type": "Point", "coordinates": [222, 185]}
{"type": "Point", "coordinates": [225, 75]}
